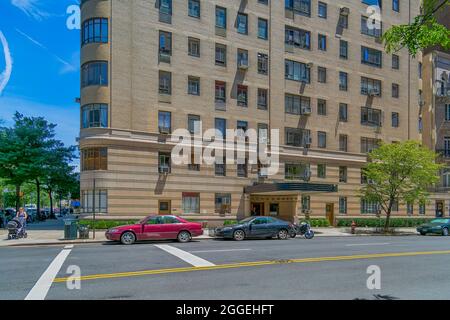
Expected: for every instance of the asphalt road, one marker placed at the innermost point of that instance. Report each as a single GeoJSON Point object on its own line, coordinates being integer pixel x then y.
{"type": "Point", "coordinates": [412, 267]}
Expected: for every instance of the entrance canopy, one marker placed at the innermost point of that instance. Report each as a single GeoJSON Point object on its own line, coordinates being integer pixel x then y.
{"type": "Point", "coordinates": [290, 188]}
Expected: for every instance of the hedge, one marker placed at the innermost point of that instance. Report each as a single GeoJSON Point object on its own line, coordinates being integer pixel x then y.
{"type": "Point", "coordinates": [395, 222]}
{"type": "Point", "coordinates": [105, 224]}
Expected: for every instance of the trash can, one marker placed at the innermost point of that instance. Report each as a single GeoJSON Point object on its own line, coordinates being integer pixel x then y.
{"type": "Point", "coordinates": [70, 229]}
{"type": "Point", "coordinates": [83, 232]}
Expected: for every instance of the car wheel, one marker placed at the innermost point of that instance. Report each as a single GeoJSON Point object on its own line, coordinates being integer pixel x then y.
{"type": "Point", "coordinates": [445, 232]}
{"type": "Point", "coordinates": [283, 234]}
{"type": "Point", "coordinates": [127, 238]}
{"type": "Point", "coordinates": [239, 235]}
{"type": "Point", "coordinates": [184, 236]}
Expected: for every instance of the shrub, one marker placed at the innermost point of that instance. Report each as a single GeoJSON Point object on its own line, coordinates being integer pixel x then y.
{"type": "Point", "coordinates": [229, 222]}
{"type": "Point", "coordinates": [105, 224]}
{"type": "Point", "coordinates": [317, 223]}
{"type": "Point", "coordinates": [374, 222]}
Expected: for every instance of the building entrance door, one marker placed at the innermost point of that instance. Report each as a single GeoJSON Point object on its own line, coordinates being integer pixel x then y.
{"type": "Point", "coordinates": [164, 207]}
{"type": "Point", "coordinates": [329, 209]}
{"type": "Point", "coordinates": [257, 209]}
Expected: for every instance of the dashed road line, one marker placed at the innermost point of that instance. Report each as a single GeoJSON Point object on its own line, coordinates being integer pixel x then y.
{"type": "Point", "coordinates": [366, 244]}
{"type": "Point", "coordinates": [42, 286]}
{"type": "Point", "coordinates": [185, 256]}
{"type": "Point", "coordinates": [224, 250]}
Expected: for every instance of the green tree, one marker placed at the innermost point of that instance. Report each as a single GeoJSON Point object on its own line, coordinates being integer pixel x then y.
{"type": "Point", "coordinates": [423, 32]}
{"type": "Point", "coordinates": [399, 172]}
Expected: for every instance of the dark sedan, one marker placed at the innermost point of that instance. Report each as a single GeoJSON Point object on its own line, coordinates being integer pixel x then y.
{"type": "Point", "coordinates": [256, 227]}
{"type": "Point", "coordinates": [436, 226]}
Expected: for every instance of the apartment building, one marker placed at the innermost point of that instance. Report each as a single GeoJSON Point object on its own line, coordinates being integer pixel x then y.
{"type": "Point", "coordinates": [435, 113]}
{"type": "Point", "coordinates": [315, 70]}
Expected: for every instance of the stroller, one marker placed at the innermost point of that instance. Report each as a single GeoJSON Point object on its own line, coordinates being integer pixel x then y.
{"type": "Point", "coordinates": [16, 229]}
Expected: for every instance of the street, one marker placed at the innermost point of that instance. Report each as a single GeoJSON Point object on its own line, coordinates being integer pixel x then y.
{"type": "Point", "coordinates": [412, 267]}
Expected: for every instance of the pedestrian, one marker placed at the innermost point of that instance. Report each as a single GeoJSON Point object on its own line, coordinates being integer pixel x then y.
{"type": "Point", "coordinates": [22, 217]}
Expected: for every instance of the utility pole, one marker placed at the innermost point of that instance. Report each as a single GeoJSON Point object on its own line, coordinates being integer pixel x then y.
{"type": "Point", "coordinates": [93, 211]}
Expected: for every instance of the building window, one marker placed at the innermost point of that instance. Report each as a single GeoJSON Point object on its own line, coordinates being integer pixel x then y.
{"type": "Point", "coordinates": [194, 123]}
{"type": "Point", "coordinates": [395, 90]}
{"type": "Point", "coordinates": [220, 95]}
{"type": "Point", "coordinates": [369, 27]}
{"type": "Point", "coordinates": [165, 6]}
{"type": "Point", "coordinates": [164, 163]}
{"type": "Point", "coordinates": [395, 119]}
{"type": "Point", "coordinates": [94, 116]}
{"type": "Point", "coordinates": [262, 29]}
{"type": "Point", "coordinates": [242, 170]}
{"type": "Point", "coordinates": [242, 23]}
{"type": "Point", "coordinates": [422, 208]}
{"type": "Point", "coordinates": [220, 168]}
{"type": "Point", "coordinates": [369, 207]}
{"type": "Point", "coordinates": [409, 208]}
{"type": "Point", "coordinates": [221, 54]}
{"type": "Point", "coordinates": [371, 87]}
{"type": "Point", "coordinates": [343, 112]}
{"type": "Point", "coordinates": [322, 10]}
{"type": "Point", "coordinates": [306, 204]}
{"type": "Point", "coordinates": [100, 198]}
{"type": "Point", "coordinates": [297, 71]}
{"type": "Point", "coordinates": [94, 74]}
{"type": "Point", "coordinates": [165, 43]}
{"type": "Point", "coordinates": [369, 144]}
{"type": "Point", "coordinates": [221, 126]}
{"type": "Point", "coordinates": [297, 171]}
{"type": "Point", "coordinates": [321, 107]}
{"type": "Point", "coordinates": [265, 2]}
{"type": "Point", "coordinates": [343, 142]}
{"type": "Point", "coordinates": [343, 81]}
{"type": "Point", "coordinates": [419, 71]}
{"type": "Point", "coordinates": [95, 31]}
{"type": "Point", "coordinates": [194, 47]}
{"type": "Point", "coordinates": [242, 96]}
{"type": "Point", "coordinates": [321, 171]}
{"type": "Point", "coordinates": [263, 129]}
{"type": "Point", "coordinates": [242, 58]}
{"type": "Point", "coordinates": [94, 159]}
{"type": "Point", "coordinates": [321, 139]}
{"type": "Point", "coordinates": [373, 2]}
{"type": "Point", "coordinates": [263, 63]}
{"type": "Point", "coordinates": [343, 21]}
{"type": "Point", "coordinates": [298, 38]}
{"type": "Point", "coordinates": [395, 62]}
{"type": "Point", "coordinates": [194, 8]}
{"type": "Point", "coordinates": [321, 74]}
{"type": "Point", "coordinates": [342, 174]}
{"type": "Point", "coordinates": [222, 203]}
{"type": "Point", "coordinates": [447, 112]}
{"type": "Point", "coordinates": [262, 99]}
{"type": "Point", "coordinates": [343, 205]}
{"type": "Point", "coordinates": [221, 17]}
{"type": "Point", "coordinates": [370, 117]}
{"type": "Point", "coordinates": [343, 49]}
{"type": "Point", "coordinates": [164, 122]}
{"type": "Point", "coordinates": [165, 82]}
{"type": "Point", "coordinates": [298, 137]}
{"type": "Point", "coordinates": [396, 5]}
{"type": "Point", "coordinates": [297, 105]}
{"type": "Point", "coordinates": [190, 202]}
{"type": "Point", "coordinates": [194, 86]}
{"type": "Point", "coordinates": [322, 42]}
{"type": "Point", "coordinates": [302, 7]}
{"type": "Point", "coordinates": [371, 57]}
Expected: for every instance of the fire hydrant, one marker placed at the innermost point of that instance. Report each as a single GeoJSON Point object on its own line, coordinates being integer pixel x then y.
{"type": "Point", "coordinates": [353, 227]}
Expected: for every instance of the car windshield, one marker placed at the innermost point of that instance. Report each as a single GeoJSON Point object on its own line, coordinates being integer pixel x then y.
{"type": "Point", "coordinates": [246, 220]}
{"type": "Point", "coordinates": [440, 221]}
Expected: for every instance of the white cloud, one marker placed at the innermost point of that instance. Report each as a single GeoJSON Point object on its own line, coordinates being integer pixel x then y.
{"type": "Point", "coordinates": [31, 8]}
{"type": "Point", "coordinates": [6, 74]}
{"type": "Point", "coordinates": [67, 67]}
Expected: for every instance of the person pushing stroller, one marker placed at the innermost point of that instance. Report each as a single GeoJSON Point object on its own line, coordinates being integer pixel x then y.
{"type": "Point", "coordinates": [17, 226]}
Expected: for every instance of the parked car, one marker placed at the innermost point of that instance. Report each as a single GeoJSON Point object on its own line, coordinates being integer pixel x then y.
{"type": "Point", "coordinates": [437, 226]}
{"type": "Point", "coordinates": [256, 227]}
{"type": "Point", "coordinates": [156, 228]}
{"type": "Point", "coordinates": [32, 215]}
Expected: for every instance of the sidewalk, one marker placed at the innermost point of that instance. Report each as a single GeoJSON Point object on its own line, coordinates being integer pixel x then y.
{"type": "Point", "coordinates": [56, 237]}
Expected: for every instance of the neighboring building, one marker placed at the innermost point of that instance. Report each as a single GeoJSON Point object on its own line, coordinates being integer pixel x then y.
{"type": "Point", "coordinates": [313, 69]}
{"type": "Point", "coordinates": [435, 114]}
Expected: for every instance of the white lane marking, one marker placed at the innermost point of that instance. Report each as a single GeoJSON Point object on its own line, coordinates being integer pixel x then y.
{"type": "Point", "coordinates": [69, 246]}
{"type": "Point", "coordinates": [225, 250]}
{"type": "Point", "coordinates": [42, 286]}
{"type": "Point", "coordinates": [185, 256]}
{"type": "Point", "coordinates": [366, 244]}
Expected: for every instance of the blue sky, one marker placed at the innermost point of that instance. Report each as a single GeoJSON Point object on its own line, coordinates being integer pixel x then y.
{"type": "Point", "coordinates": [39, 63]}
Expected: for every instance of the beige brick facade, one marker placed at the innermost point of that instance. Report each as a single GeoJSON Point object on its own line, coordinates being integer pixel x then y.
{"type": "Point", "coordinates": [132, 182]}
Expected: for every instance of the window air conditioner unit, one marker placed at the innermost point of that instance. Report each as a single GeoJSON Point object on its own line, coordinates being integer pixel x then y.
{"type": "Point", "coordinates": [374, 92]}
{"type": "Point", "coordinates": [307, 175]}
{"type": "Point", "coordinates": [306, 111]}
{"type": "Point", "coordinates": [308, 142]}
{"type": "Point", "coordinates": [243, 65]}
{"type": "Point", "coordinates": [164, 130]}
{"type": "Point", "coordinates": [164, 170]}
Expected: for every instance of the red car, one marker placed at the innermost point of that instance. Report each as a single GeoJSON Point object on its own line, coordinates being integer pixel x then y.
{"type": "Point", "coordinates": [156, 228]}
